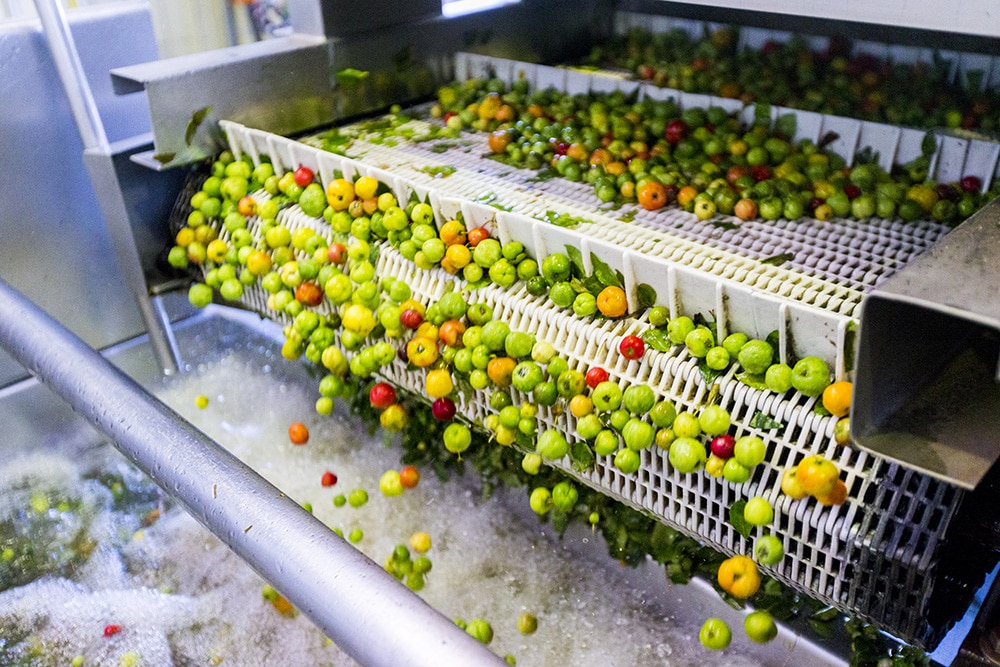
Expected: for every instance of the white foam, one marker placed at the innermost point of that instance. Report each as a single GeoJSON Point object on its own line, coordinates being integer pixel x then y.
{"type": "Point", "coordinates": [181, 597]}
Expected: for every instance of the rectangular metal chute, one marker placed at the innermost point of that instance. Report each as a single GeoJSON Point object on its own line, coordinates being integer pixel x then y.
{"type": "Point", "coordinates": [926, 392]}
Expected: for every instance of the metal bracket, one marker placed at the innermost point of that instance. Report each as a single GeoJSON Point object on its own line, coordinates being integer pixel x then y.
{"type": "Point", "coordinates": [281, 85]}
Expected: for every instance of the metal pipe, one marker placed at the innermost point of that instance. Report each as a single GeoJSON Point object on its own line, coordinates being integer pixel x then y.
{"type": "Point", "coordinates": [359, 605]}
{"type": "Point", "coordinates": [70, 69]}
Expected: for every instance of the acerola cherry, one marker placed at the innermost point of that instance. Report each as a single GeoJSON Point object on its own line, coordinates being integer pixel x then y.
{"type": "Point", "coordinates": [409, 477]}
{"type": "Point", "coordinates": [247, 206]}
{"type": "Point", "coordinates": [298, 433]}
{"type": "Point", "coordinates": [675, 131]}
{"type": "Point", "coordinates": [303, 176]}
{"type": "Point", "coordinates": [382, 395]}
{"type": "Point", "coordinates": [337, 253]}
{"type": "Point", "coordinates": [736, 172]}
{"type": "Point", "coordinates": [309, 294]}
{"type": "Point", "coordinates": [411, 318]}
{"type": "Point", "coordinates": [852, 191]}
{"type": "Point", "coordinates": [474, 236]}
{"type": "Point", "coordinates": [631, 347]}
{"type": "Point", "coordinates": [972, 184]}
{"type": "Point", "coordinates": [946, 191]}
{"type": "Point", "coordinates": [328, 479]}
{"type": "Point", "coordinates": [723, 445]}
{"type": "Point", "coordinates": [443, 409]}
{"type": "Point", "coordinates": [770, 47]}
{"type": "Point", "coordinates": [112, 629]}
{"type": "Point", "coordinates": [595, 376]}
{"type": "Point", "coordinates": [671, 191]}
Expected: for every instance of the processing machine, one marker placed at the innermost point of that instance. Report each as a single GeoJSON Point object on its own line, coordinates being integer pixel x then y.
{"type": "Point", "coordinates": [905, 310]}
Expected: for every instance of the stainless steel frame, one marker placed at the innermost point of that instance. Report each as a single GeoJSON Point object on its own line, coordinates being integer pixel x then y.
{"type": "Point", "coordinates": [54, 244]}
{"type": "Point", "coordinates": [290, 77]}
{"type": "Point", "coordinates": [518, 31]}
{"type": "Point", "coordinates": [100, 165]}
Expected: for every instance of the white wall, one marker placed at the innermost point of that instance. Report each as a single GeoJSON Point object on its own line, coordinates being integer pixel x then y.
{"type": "Point", "coordinates": [976, 17]}
{"type": "Point", "coordinates": [181, 26]}
{"type": "Point", "coordinates": [189, 26]}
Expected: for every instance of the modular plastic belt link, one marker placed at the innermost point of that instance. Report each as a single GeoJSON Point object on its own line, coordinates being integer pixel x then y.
{"type": "Point", "coordinates": [873, 556]}
{"type": "Point", "coordinates": [876, 555]}
{"type": "Point", "coordinates": [837, 263]}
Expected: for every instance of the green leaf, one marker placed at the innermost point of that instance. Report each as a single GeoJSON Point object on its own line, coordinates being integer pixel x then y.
{"type": "Point", "coordinates": [762, 114]}
{"type": "Point", "coordinates": [628, 216]}
{"type": "Point", "coordinates": [778, 260]}
{"type": "Point", "coordinates": [197, 118]}
{"type": "Point", "coordinates": [581, 456]}
{"type": "Point", "coordinates": [646, 296]}
{"type": "Point", "coordinates": [825, 615]}
{"type": "Point", "coordinates": [576, 259]}
{"type": "Point", "coordinates": [824, 630]}
{"type": "Point", "coordinates": [752, 381]}
{"type": "Point", "coordinates": [866, 155]}
{"type": "Point", "coordinates": [663, 543]}
{"type": "Point", "coordinates": [544, 174]}
{"type": "Point", "coordinates": [929, 145]}
{"type": "Point", "coordinates": [440, 172]}
{"type": "Point", "coordinates": [492, 199]}
{"type": "Point", "coordinates": [562, 219]}
{"type": "Point", "coordinates": [742, 526]}
{"type": "Point", "coordinates": [765, 422]}
{"type": "Point", "coordinates": [164, 158]}
{"type": "Point", "coordinates": [850, 342]}
{"type": "Point", "coordinates": [823, 621]}
{"type": "Point", "coordinates": [786, 124]}
{"type": "Point", "coordinates": [335, 138]}
{"type": "Point", "coordinates": [593, 285]}
{"type": "Point", "coordinates": [827, 139]}
{"type": "Point", "coordinates": [724, 225]}
{"type": "Point", "coordinates": [657, 339]}
{"type": "Point", "coordinates": [709, 375]}
{"type": "Point", "coordinates": [974, 80]}
{"type": "Point", "coordinates": [604, 273]}
{"type": "Point", "coordinates": [782, 609]}
{"type": "Point", "coordinates": [350, 77]}
{"type": "Point", "coordinates": [773, 339]}
{"type": "Point", "coordinates": [677, 573]}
